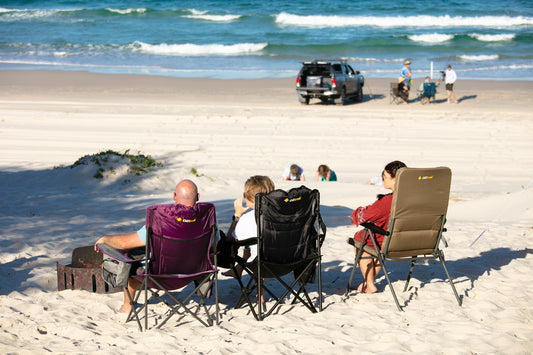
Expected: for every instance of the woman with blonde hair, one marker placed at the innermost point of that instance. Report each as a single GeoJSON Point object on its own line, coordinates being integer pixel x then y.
{"type": "Point", "coordinates": [244, 225]}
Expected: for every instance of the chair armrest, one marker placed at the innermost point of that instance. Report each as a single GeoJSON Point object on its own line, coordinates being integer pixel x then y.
{"type": "Point", "coordinates": [115, 254]}
{"type": "Point", "coordinates": [246, 242]}
{"type": "Point", "coordinates": [374, 229]}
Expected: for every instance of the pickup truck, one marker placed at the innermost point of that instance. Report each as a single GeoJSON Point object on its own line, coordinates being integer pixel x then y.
{"type": "Point", "coordinates": [327, 80]}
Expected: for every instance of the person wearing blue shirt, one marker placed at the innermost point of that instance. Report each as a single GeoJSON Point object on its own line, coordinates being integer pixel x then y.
{"type": "Point", "coordinates": [406, 74]}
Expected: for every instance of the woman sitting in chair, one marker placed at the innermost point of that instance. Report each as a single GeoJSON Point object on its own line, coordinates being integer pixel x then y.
{"type": "Point", "coordinates": [244, 225]}
{"type": "Point", "coordinates": [403, 90]}
{"type": "Point", "coordinates": [377, 213]}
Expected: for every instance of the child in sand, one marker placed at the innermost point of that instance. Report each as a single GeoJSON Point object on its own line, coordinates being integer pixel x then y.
{"type": "Point", "coordinates": [293, 172]}
{"type": "Point", "coordinates": [377, 213]}
{"type": "Point", "coordinates": [324, 173]}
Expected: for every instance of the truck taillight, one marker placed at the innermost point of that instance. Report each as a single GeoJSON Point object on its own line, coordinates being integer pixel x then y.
{"type": "Point", "coordinates": [298, 81]}
{"type": "Point", "coordinates": [333, 82]}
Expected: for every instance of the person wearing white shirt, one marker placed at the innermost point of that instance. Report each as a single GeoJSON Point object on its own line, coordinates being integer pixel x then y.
{"type": "Point", "coordinates": [450, 79]}
{"type": "Point", "coordinates": [244, 225]}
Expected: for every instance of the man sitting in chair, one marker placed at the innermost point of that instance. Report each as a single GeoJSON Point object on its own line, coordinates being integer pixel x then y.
{"type": "Point", "coordinates": [421, 90]}
{"type": "Point", "coordinates": [186, 193]}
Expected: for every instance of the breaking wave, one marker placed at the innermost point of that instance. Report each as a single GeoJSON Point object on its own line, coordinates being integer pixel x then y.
{"type": "Point", "coordinates": [402, 21]}
{"type": "Point", "coordinates": [190, 49]}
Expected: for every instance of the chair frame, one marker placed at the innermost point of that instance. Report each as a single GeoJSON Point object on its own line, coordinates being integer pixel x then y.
{"type": "Point", "coordinates": [394, 94]}
{"type": "Point", "coordinates": [261, 269]}
{"type": "Point", "coordinates": [423, 97]}
{"type": "Point", "coordinates": [384, 256]}
{"type": "Point", "coordinates": [211, 276]}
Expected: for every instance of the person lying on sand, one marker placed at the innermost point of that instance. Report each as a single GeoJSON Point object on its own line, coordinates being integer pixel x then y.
{"type": "Point", "coordinates": [186, 193]}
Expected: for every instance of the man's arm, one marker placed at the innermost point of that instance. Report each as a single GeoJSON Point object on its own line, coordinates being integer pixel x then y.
{"type": "Point", "coordinates": [121, 241]}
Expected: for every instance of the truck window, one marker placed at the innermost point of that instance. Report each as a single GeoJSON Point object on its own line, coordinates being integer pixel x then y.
{"type": "Point", "coordinates": [350, 70]}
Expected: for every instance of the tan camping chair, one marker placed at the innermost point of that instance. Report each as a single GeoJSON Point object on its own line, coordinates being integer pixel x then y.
{"type": "Point", "coordinates": [416, 223]}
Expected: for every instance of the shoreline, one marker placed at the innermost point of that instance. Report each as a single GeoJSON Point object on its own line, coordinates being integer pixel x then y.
{"type": "Point", "coordinates": [57, 86]}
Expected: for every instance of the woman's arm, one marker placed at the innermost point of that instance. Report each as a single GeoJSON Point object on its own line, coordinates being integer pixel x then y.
{"type": "Point", "coordinates": [239, 210]}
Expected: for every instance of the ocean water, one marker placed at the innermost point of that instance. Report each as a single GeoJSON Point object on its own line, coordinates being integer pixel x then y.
{"type": "Point", "coordinates": [487, 39]}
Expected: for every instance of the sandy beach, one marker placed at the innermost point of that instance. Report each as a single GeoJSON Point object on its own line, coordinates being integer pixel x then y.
{"type": "Point", "coordinates": [227, 130]}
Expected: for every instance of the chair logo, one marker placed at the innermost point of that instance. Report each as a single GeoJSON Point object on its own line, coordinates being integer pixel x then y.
{"type": "Point", "coordinates": [293, 199]}
{"type": "Point", "coordinates": [179, 219]}
{"type": "Point", "coordinates": [425, 177]}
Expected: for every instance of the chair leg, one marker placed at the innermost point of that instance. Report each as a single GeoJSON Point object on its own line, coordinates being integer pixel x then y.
{"type": "Point", "coordinates": [245, 292]}
{"type": "Point", "coordinates": [320, 285]}
{"type": "Point", "coordinates": [181, 305]}
{"type": "Point", "coordinates": [133, 311]}
{"type": "Point", "coordinates": [133, 302]}
{"type": "Point", "coordinates": [441, 257]}
{"type": "Point", "coordinates": [355, 264]}
{"type": "Point", "coordinates": [390, 284]}
{"type": "Point", "coordinates": [146, 301]}
{"type": "Point", "coordinates": [290, 289]}
{"type": "Point", "coordinates": [409, 276]}
{"type": "Point", "coordinates": [217, 308]}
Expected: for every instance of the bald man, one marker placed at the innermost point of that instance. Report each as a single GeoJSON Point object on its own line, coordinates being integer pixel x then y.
{"type": "Point", "coordinates": [186, 193]}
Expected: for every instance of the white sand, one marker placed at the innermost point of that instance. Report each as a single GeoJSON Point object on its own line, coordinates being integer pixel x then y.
{"type": "Point", "coordinates": [229, 130]}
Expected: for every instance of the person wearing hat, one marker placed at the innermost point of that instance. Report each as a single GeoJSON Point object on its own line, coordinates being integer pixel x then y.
{"type": "Point", "coordinates": [403, 89]}
{"type": "Point", "coordinates": [406, 74]}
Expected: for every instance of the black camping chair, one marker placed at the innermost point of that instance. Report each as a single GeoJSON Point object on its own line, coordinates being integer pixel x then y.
{"type": "Point", "coordinates": [290, 233]}
{"type": "Point", "coordinates": [394, 95]}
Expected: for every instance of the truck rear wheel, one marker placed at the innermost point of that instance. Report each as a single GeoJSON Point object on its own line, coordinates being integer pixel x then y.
{"type": "Point", "coordinates": [359, 96]}
{"type": "Point", "coordinates": [342, 98]}
{"type": "Point", "coordinates": [303, 99]}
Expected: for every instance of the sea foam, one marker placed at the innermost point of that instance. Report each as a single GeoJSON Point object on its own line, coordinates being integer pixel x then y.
{"type": "Point", "coordinates": [127, 11]}
{"type": "Point", "coordinates": [402, 21]}
{"type": "Point", "coordinates": [215, 18]}
{"type": "Point", "coordinates": [189, 49]}
{"type": "Point", "coordinates": [204, 15]}
{"type": "Point", "coordinates": [431, 38]}
{"type": "Point", "coordinates": [475, 58]}
{"type": "Point", "coordinates": [493, 38]}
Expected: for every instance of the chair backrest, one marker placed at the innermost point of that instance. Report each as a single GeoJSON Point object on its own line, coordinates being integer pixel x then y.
{"type": "Point", "coordinates": [179, 238]}
{"type": "Point", "coordinates": [394, 87]}
{"type": "Point", "coordinates": [429, 89]}
{"type": "Point", "coordinates": [286, 224]}
{"type": "Point", "coordinates": [418, 211]}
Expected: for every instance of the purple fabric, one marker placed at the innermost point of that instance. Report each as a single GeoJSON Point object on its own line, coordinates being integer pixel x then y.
{"type": "Point", "coordinates": [180, 243]}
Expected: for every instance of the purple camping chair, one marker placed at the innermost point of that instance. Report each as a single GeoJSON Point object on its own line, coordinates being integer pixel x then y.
{"type": "Point", "coordinates": [180, 243]}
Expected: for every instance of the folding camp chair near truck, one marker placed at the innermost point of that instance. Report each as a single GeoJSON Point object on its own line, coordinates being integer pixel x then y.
{"type": "Point", "coordinates": [416, 223]}
{"type": "Point", "coordinates": [290, 233]}
{"type": "Point", "coordinates": [180, 243]}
